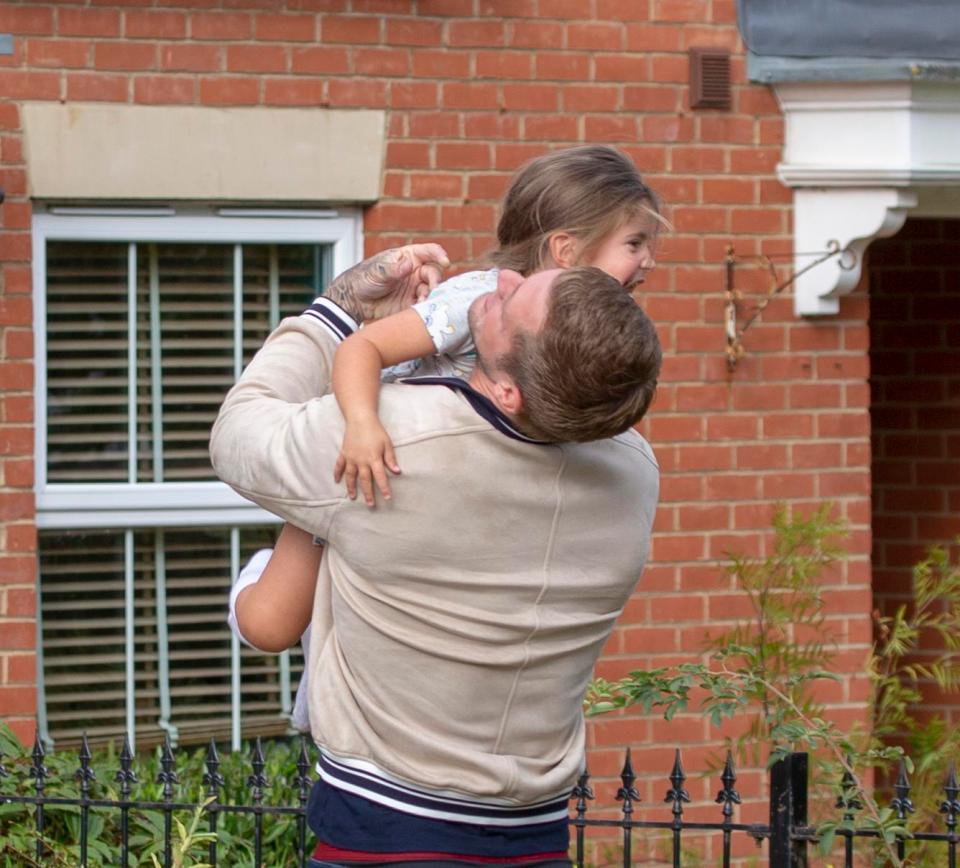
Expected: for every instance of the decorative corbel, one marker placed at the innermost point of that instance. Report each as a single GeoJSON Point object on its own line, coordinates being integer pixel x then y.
{"type": "Point", "coordinates": [844, 218]}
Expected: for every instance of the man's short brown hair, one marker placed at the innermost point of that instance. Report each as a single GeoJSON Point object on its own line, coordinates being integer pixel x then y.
{"type": "Point", "coordinates": [591, 371]}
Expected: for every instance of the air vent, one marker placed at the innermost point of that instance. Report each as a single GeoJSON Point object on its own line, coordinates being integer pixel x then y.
{"type": "Point", "coordinates": [709, 78]}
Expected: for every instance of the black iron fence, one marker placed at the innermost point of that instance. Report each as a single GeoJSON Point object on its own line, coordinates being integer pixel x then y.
{"type": "Point", "coordinates": [787, 832]}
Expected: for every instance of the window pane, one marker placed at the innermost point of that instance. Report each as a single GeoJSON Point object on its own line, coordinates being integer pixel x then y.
{"type": "Point", "coordinates": [87, 367]}
{"type": "Point", "coordinates": [83, 628]}
{"type": "Point", "coordinates": [184, 351]}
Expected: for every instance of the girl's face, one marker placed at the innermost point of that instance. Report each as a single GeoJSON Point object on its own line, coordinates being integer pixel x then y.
{"type": "Point", "coordinates": [627, 253]}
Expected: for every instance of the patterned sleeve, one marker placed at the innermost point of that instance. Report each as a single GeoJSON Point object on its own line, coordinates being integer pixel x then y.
{"type": "Point", "coordinates": [444, 313]}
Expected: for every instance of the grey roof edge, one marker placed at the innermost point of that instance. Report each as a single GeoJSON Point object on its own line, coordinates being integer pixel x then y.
{"type": "Point", "coordinates": [764, 69]}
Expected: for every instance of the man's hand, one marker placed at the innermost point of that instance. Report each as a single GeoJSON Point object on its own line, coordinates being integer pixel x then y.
{"type": "Point", "coordinates": [389, 281]}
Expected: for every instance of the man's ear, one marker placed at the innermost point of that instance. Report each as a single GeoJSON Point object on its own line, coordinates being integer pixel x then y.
{"type": "Point", "coordinates": [563, 248]}
{"type": "Point", "coordinates": [507, 395]}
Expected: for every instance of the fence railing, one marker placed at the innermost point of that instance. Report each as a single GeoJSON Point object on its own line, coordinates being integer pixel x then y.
{"type": "Point", "coordinates": [787, 832]}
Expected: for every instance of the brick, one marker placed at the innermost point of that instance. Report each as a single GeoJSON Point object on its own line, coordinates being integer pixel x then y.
{"type": "Point", "coordinates": [17, 700]}
{"type": "Point", "coordinates": [20, 603]}
{"type": "Point", "coordinates": [221, 25]}
{"type": "Point", "coordinates": [322, 60]}
{"type": "Point", "coordinates": [530, 97]}
{"type": "Point", "coordinates": [504, 64]}
{"type": "Point", "coordinates": [562, 66]}
{"type": "Point", "coordinates": [257, 58]}
{"type": "Point", "coordinates": [437, 185]}
{"type": "Point", "coordinates": [467, 218]}
{"type": "Point", "coordinates": [408, 218]}
{"type": "Point", "coordinates": [623, 10]}
{"type": "Point", "coordinates": [162, 25]}
{"type": "Point", "coordinates": [445, 8]}
{"type": "Point", "coordinates": [507, 8]}
{"type": "Point", "coordinates": [16, 440]}
{"type": "Point", "coordinates": [754, 160]}
{"type": "Point", "coordinates": [463, 155]}
{"type": "Point", "coordinates": [551, 127]}
{"type": "Point", "coordinates": [565, 10]}
{"type": "Point", "coordinates": [360, 93]}
{"type": "Point", "coordinates": [17, 570]}
{"type": "Point", "coordinates": [29, 85]}
{"type": "Point", "coordinates": [94, 87]}
{"type": "Point", "coordinates": [511, 156]}
{"type": "Point", "coordinates": [476, 33]}
{"type": "Point", "coordinates": [416, 94]}
{"type": "Point", "coordinates": [444, 125]}
{"type": "Point", "coordinates": [88, 22]}
{"type": "Point", "coordinates": [751, 221]}
{"type": "Point", "coordinates": [470, 96]}
{"type": "Point", "coordinates": [655, 37]}
{"type": "Point", "coordinates": [408, 155]}
{"type": "Point", "coordinates": [412, 31]}
{"type": "Point", "coordinates": [389, 7]}
{"type": "Point", "coordinates": [14, 245]}
{"type": "Point", "coordinates": [680, 10]}
{"type": "Point", "coordinates": [9, 116]}
{"type": "Point", "coordinates": [594, 98]}
{"type": "Point", "coordinates": [292, 92]}
{"type": "Point", "coordinates": [621, 128]}
{"type": "Point", "coordinates": [57, 53]}
{"type": "Point", "coordinates": [350, 29]}
{"type": "Point", "coordinates": [22, 21]}
{"type": "Point", "coordinates": [727, 130]}
{"type": "Point", "coordinates": [669, 68]}
{"type": "Point", "coordinates": [191, 58]}
{"type": "Point", "coordinates": [164, 89]}
{"type": "Point", "coordinates": [539, 34]}
{"type": "Point", "coordinates": [490, 187]}
{"type": "Point", "coordinates": [289, 28]}
{"type": "Point", "coordinates": [22, 668]}
{"type": "Point", "coordinates": [22, 538]}
{"type": "Point", "coordinates": [651, 98]}
{"type": "Point", "coordinates": [605, 36]}
{"type": "Point", "coordinates": [19, 473]}
{"type": "Point", "coordinates": [657, 128]}
{"type": "Point", "coordinates": [728, 191]}
{"type": "Point", "coordinates": [441, 64]}
{"type": "Point", "coordinates": [125, 55]}
{"type": "Point", "coordinates": [381, 61]}
{"type": "Point", "coordinates": [229, 91]}
{"type": "Point", "coordinates": [491, 125]}
{"type": "Point", "coordinates": [622, 68]}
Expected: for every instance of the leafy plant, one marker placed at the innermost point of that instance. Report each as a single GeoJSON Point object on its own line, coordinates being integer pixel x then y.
{"type": "Point", "coordinates": [768, 668]}
{"type": "Point", "coordinates": [61, 838]}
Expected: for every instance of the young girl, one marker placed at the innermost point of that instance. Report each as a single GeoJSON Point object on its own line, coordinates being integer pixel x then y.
{"type": "Point", "coordinates": [580, 206]}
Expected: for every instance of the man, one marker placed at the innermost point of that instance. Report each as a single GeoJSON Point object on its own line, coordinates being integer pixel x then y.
{"type": "Point", "coordinates": [456, 626]}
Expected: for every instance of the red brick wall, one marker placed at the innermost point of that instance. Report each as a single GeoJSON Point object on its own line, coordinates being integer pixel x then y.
{"type": "Point", "coordinates": [474, 87]}
{"type": "Point", "coordinates": [914, 335]}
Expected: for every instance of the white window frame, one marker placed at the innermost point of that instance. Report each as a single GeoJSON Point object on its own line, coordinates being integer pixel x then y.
{"type": "Point", "coordinates": [85, 505]}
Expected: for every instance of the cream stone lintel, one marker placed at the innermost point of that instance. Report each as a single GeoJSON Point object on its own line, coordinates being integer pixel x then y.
{"type": "Point", "coordinates": [81, 151]}
{"type": "Point", "coordinates": [860, 156]}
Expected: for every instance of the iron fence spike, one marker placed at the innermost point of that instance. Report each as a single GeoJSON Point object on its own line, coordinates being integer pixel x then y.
{"type": "Point", "coordinates": [126, 775]}
{"type": "Point", "coordinates": [728, 796]}
{"type": "Point", "coordinates": [38, 771]}
{"type": "Point", "coordinates": [3, 769]}
{"type": "Point", "coordinates": [847, 798]}
{"type": "Point", "coordinates": [628, 792]}
{"type": "Point", "coordinates": [950, 806]}
{"type": "Point", "coordinates": [257, 781]}
{"type": "Point", "coordinates": [212, 777]}
{"type": "Point", "coordinates": [677, 794]}
{"type": "Point", "coordinates": [303, 779]}
{"type": "Point", "coordinates": [167, 775]}
{"type": "Point", "coordinates": [85, 774]}
{"type": "Point", "coordinates": [901, 802]}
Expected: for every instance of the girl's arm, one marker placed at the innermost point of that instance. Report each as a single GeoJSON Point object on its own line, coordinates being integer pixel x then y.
{"type": "Point", "coordinates": [367, 451]}
{"type": "Point", "coordinates": [273, 611]}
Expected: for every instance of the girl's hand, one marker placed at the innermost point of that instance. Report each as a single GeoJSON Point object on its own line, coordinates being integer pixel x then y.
{"type": "Point", "coordinates": [367, 453]}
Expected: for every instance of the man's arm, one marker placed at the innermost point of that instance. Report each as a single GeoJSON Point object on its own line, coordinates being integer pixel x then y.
{"type": "Point", "coordinates": [275, 440]}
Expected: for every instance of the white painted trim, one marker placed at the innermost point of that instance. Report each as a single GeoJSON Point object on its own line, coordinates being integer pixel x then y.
{"type": "Point", "coordinates": [64, 505]}
{"type": "Point", "coordinates": [859, 155]}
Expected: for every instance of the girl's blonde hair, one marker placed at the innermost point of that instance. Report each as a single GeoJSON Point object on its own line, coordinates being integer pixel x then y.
{"type": "Point", "coordinates": [586, 191]}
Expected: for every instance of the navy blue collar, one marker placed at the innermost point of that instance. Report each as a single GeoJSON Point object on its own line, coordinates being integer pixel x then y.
{"type": "Point", "coordinates": [480, 403]}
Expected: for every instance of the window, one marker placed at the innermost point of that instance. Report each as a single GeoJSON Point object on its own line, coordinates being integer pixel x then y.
{"type": "Point", "coordinates": [145, 318]}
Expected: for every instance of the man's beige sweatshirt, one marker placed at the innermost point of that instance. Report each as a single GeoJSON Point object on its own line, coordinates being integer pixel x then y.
{"type": "Point", "coordinates": [456, 626]}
